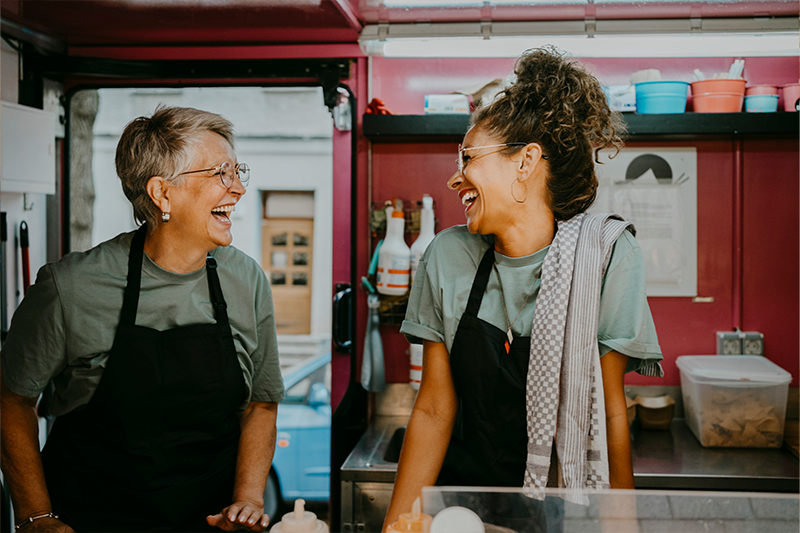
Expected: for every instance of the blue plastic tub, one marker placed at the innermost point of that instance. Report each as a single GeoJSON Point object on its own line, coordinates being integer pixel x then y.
{"type": "Point", "coordinates": [666, 97]}
{"type": "Point", "coordinates": [761, 103]}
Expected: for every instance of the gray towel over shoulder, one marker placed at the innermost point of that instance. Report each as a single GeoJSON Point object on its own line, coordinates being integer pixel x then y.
{"type": "Point", "coordinates": [564, 387]}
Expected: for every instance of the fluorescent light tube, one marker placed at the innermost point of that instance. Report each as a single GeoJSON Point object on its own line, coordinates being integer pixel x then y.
{"type": "Point", "coordinates": [603, 45]}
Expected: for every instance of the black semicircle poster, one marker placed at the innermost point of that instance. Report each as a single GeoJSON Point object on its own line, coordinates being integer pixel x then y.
{"type": "Point", "coordinates": [658, 165]}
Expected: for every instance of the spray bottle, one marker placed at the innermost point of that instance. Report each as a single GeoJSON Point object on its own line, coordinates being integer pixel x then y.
{"type": "Point", "coordinates": [425, 234]}
{"type": "Point", "coordinates": [417, 249]}
{"type": "Point", "coordinates": [394, 261]}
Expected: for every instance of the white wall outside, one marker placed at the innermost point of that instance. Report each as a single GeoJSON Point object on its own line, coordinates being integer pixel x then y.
{"type": "Point", "coordinates": [284, 134]}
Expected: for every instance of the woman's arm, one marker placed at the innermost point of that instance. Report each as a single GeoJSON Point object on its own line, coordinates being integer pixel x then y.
{"type": "Point", "coordinates": [22, 465]}
{"type": "Point", "coordinates": [428, 432]}
{"type": "Point", "coordinates": [620, 466]}
{"type": "Point", "coordinates": [256, 448]}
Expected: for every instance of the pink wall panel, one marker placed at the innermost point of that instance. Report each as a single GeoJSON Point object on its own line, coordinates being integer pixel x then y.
{"type": "Point", "coordinates": [685, 327]}
{"type": "Point", "coordinates": [407, 170]}
{"type": "Point", "coordinates": [403, 83]}
{"type": "Point", "coordinates": [770, 270]}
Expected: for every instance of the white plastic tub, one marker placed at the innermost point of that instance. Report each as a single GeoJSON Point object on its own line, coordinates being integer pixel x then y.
{"type": "Point", "coordinates": [734, 400]}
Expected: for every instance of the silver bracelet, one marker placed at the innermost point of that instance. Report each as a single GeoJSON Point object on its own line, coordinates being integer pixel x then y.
{"type": "Point", "coordinates": [37, 517]}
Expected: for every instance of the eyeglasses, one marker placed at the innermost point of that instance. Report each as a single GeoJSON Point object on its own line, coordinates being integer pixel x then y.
{"type": "Point", "coordinates": [463, 162]}
{"type": "Point", "coordinates": [226, 173]}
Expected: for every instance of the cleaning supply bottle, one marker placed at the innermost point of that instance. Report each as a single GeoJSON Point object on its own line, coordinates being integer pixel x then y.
{"type": "Point", "coordinates": [300, 521]}
{"type": "Point", "coordinates": [394, 262]}
{"type": "Point", "coordinates": [425, 234]}
{"type": "Point", "coordinates": [415, 368]}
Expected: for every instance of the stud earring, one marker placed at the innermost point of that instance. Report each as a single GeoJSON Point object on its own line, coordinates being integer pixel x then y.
{"type": "Point", "coordinates": [165, 217]}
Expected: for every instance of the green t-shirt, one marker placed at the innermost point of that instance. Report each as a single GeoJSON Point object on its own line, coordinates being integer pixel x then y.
{"type": "Point", "coordinates": [65, 326]}
{"type": "Point", "coordinates": [448, 267]}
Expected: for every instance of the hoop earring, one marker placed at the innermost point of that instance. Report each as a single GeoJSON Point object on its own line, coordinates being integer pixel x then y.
{"type": "Point", "coordinates": [164, 217]}
{"type": "Point", "coordinates": [514, 196]}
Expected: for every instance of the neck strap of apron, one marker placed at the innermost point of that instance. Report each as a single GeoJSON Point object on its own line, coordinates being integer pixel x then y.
{"type": "Point", "coordinates": [130, 302]}
{"type": "Point", "coordinates": [480, 282]}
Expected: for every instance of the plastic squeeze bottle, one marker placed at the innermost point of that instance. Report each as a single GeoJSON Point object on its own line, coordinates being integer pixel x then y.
{"type": "Point", "coordinates": [414, 522]}
{"type": "Point", "coordinates": [425, 234]}
{"type": "Point", "coordinates": [300, 521]}
{"type": "Point", "coordinates": [394, 261]}
{"type": "Point", "coordinates": [415, 368]}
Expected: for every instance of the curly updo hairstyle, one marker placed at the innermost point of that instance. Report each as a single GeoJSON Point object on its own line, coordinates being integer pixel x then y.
{"type": "Point", "coordinates": [558, 104]}
{"type": "Point", "coordinates": [163, 145]}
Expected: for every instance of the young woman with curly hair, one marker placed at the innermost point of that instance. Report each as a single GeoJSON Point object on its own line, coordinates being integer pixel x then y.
{"type": "Point", "coordinates": [531, 314]}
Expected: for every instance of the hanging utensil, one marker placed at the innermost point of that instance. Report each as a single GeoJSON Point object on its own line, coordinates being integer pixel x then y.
{"type": "Point", "coordinates": [373, 376]}
{"type": "Point", "coordinates": [26, 261]}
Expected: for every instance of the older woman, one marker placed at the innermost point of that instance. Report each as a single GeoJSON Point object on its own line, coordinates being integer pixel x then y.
{"type": "Point", "coordinates": [165, 395]}
{"type": "Point", "coordinates": [531, 314]}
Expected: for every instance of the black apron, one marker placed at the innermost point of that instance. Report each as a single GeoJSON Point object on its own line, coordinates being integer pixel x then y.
{"type": "Point", "coordinates": [489, 445]}
{"type": "Point", "coordinates": [155, 448]}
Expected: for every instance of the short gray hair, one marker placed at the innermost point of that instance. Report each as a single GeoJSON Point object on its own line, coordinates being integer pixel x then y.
{"type": "Point", "coordinates": [161, 145]}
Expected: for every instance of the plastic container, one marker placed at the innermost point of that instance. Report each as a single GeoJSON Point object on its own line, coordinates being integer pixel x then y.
{"type": "Point", "coordinates": [414, 522]}
{"type": "Point", "coordinates": [394, 260]}
{"type": "Point", "coordinates": [415, 367]}
{"type": "Point", "coordinates": [667, 97]}
{"type": "Point", "coordinates": [426, 234]}
{"type": "Point", "coordinates": [734, 400]}
{"type": "Point", "coordinates": [655, 412]}
{"type": "Point", "coordinates": [755, 90]}
{"type": "Point", "coordinates": [300, 521]}
{"type": "Point", "coordinates": [718, 96]}
{"type": "Point", "coordinates": [457, 520]}
{"type": "Point", "coordinates": [791, 97]}
{"type": "Point", "coordinates": [631, 410]}
{"type": "Point", "coordinates": [761, 103]}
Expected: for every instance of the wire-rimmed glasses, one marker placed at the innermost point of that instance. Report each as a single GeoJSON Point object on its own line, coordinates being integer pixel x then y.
{"type": "Point", "coordinates": [226, 173]}
{"type": "Point", "coordinates": [462, 164]}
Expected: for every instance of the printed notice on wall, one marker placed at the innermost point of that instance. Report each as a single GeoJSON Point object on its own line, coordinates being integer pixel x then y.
{"type": "Point", "coordinates": [656, 189]}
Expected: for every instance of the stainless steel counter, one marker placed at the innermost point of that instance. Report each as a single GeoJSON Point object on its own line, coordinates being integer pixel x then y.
{"type": "Point", "coordinates": [366, 462]}
{"type": "Point", "coordinates": [675, 459]}
{"type": "Point", "coordinates": [671, 459]}
{"type": "Point", "coordinates": [663, 460]}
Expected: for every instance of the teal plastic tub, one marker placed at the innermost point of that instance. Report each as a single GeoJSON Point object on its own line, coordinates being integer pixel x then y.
{"type": "Point", "coordinates": [761, 103]}
{"type": "Point", "coordinates": [661, 97]}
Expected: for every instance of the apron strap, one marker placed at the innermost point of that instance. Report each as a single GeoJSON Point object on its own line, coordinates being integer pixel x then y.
{"type": "Point", "coordinates": [215, 290]}
{"type": "Point", "coordinates": [480, 282]}
{"type": "Point", "coordinates": [130, 301]}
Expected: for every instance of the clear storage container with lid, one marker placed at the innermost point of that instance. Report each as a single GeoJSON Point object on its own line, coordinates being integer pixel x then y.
{"type": "Point", "coordinates": [734, 400]}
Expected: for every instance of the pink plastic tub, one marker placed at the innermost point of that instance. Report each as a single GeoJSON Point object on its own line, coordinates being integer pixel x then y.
{"type": "Point", "coordinates": [755, 90]}
{"type": "Point", "coordinates": [718, 96]}
{"type": "Point", "coordinates": [791, 95]}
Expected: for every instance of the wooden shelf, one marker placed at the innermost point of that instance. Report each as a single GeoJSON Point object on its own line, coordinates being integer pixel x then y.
{"type": "Point", "coordinates": [451, 128]}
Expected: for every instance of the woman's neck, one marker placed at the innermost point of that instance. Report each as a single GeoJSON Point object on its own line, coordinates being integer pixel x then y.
{"type": "Point", "coordinates": [170, 253]}
{"type": "Point", "coordinates": [530, 232]}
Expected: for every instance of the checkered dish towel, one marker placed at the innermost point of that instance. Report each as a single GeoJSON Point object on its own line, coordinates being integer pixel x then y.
{"type": "Point", "coordinates": [564, 384]}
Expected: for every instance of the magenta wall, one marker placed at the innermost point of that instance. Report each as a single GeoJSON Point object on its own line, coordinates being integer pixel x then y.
{"type": "Point", "coordinates": [768, 299]}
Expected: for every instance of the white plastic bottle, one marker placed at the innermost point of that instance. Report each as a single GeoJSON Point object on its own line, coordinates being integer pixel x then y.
{"type": "Point", "coordinates": [394, 260]}
{"type": "Point", "coordinates": [425, 234]}
{"type": "Point", "coordinates": [415, 370]}
{"type": "Point", "coordinates": [300, 521]}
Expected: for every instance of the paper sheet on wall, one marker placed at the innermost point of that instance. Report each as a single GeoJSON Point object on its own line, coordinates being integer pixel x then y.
{"type": "Point", "coordinates": [656, 189]}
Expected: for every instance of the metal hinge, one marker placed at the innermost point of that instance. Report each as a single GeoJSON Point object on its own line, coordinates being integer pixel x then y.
{"type": "Point", "coordinates": [349, 527]}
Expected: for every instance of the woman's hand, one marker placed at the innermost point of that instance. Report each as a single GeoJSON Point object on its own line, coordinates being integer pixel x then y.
{"type": "Point", "coordinates": [241, 516]}
{"type": "Point", "coordinates": [46, 525]}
